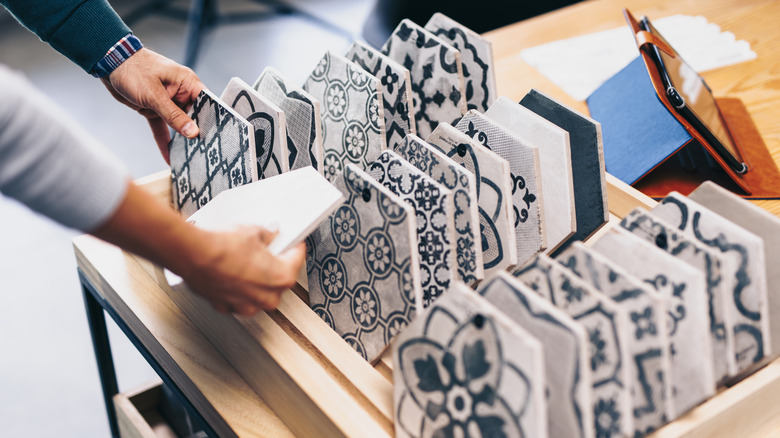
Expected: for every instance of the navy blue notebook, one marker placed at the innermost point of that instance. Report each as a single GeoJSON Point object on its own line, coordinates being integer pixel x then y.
{"type": "Point", "coordinates": [639, 132]}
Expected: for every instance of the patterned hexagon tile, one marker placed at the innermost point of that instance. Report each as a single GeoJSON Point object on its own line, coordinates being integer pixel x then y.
{"type": "Point", "coordinates": [435, 214]}
{"type": "Point", "coordinates": [463, 184]}
{"type": "Point", "coordinates": [648, 344]}
{"type": "Point", "coordinates": [353, 125]}
{"type": "Point", "coordinates": [494, 188]}
{"type": "Point", "coordinates": [607, 327]}
{"type": "Point", "coordinates": [436, 71]}
{"type": "Point", "coordinates": [270, 126]}
{"type": "Point", "coordinates": [396, 82]}
{"type": "Point", "coordinates": [221, 157]}
{"type": "Point", "coordinates": [465, 367]}
{"type": "Point", "coordinates": [363, 267]}
{"type": "Point", "coordinates": [302, 115]}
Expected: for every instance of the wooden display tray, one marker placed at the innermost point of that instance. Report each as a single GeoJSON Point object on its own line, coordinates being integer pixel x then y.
{"type": "Point", "coordinates": [318, 386]}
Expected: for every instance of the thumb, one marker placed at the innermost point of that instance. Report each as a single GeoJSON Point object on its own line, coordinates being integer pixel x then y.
{"type": "Point", "coordinates": [173, 116]}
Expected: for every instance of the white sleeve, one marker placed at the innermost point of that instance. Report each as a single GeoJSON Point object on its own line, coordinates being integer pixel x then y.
{"type": "Point", "coordinates": [52, 165]}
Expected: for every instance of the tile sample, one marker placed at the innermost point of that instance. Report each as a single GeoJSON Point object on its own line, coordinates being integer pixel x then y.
{"type": "Point", "coordinates": [527, 202]}
{"type": "Point", "coordinates": [353, 126]}
{"type": "Point", "coordinates": [709, 262]}
{"type": "Point", "coordinates": [465, 367]}
{"type": "Point", "coordinates": [436, 72]}
{"type": "Point", "coordinates": [270, 126]}
{"type": "Point", "coordinates": [607, 326]}
{"type": "Point", "coordinates": [221, 157]}
{"type": "Point", "coordinates": [476, 55]}
{"type": "Point", "coordinates": [693, 379]}
{"type": "Point", "coordinates": [397, 103]}
{"type": "Point", "coordinates": [761, 223]}
{"type": "Point", "coordinates": [569, 379]}
{"type": "Point", "coordinates": [648, 344]}
{"type": "Point", "coordinates": [560, 220]}
{"type": "Point", "coordinates": [362, 265]}
{"type": "Point", "coordinates": [494, 186]}
{"type": "Point", "coordinates": [463, 184]}
{"type": "Point", "coordinates": [747, 280]}
{"type": "Point", "coordinates": [587, 158]}
{"type": "Point", "coordinates": [435, 211]}
{"type": "Point", "coordinates": [302, 114]}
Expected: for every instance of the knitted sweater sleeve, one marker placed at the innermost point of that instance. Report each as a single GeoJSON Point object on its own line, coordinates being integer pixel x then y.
{"type": "Point", "coordinates": [50, 164]}
{"type": "Point", "coordinates": [82, 30]}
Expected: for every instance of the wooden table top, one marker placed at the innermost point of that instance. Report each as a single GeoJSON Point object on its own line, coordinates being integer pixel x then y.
{"type": "Point", "coordinates": [227, 401]}
{"type": "Point", "coordinates": [756, 82]}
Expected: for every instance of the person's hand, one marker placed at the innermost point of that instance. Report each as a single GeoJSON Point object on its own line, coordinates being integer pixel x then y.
{"type": "Point", "coordinates": [160, 90]}
{"type": "Point", "coordinates": [240, 276]}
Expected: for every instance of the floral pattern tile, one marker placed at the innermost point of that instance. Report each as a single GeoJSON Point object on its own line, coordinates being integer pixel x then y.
{"type": "Point", "coordinates": [463, 185]}
{"type": "Point", "coordinates": [396, 83]}
{"type": "Point", "coordinates": [353, 125]}
{"type": "Point", "coordinates": [744, 273]}
{"type": "Point", "coordinates": [709, 262]}
{"type": "Point", "coordinates": [569, 378]}
{"type": "Point", "coordinates": [302, 117]}
{"type": "Point", "coordinates": [268, 121]}
{"type": "Point", "coordinates": [362, 265]}
{"type": "Point", "coordinates": [523, 158]}
{"type": "Point", "coordinates": [648, 344]}
{"type": "Point", "coordinates": [608, 332]}
{"type": "Point", "coordinates": [466, 369]}
{"type": "Point", "coordinates": [476, 54]}
{"type": "Point", "coordinates": [692, 372]}
{"type": "Point", "coordinates": [434, 210]}
{"type": "Point", "coordinates": [221, 157]}
{"type": "Point", "coordinates": [436, 72]}
{"type": "Point", "coordinates": [494, 203]}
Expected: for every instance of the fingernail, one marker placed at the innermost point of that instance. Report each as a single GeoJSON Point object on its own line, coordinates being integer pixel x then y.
{"type": "Point", "coordinates": [190, 130]}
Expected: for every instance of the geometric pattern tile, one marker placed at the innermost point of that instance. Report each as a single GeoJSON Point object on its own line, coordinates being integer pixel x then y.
{"type": "Point", "coordinates": [494, 188]}
{"type": "Point", "coordinates": [363, 267]}
{"type": "Point", "coordinates": [302, 116]}
{"type": "Point", "coordinates": [353, 125]}
{"type": "Point", "coordinates": [438, 87]}
{"type": "Point", "coordinates": [463, 184]}
{"type": "Point", "coordinates": [434, 209]}
{"type": "Point", "coordinates": [398, 106]}
{"type": "Point", "coordinates": [269, 123]}
{"type": "Point", "coordinates": [466, 369]}
{"type": "Point", "coordinates": [476, 54]}
{"type": "Point", "coordinates": [221, 157]}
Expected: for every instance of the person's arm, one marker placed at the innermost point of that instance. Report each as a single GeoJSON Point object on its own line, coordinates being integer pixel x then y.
{"type": "Point", "coordinates": [91, 34]}
{"type": "Point", "coordinates": [59, 170]}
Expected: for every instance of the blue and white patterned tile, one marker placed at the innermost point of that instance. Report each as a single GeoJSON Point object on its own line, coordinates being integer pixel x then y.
{"type": "Point", "coordinates": [648, 344]}
{"type": "Point", "coordinates": [462, 183]}
{"type": "Point", "coordinates": [693, 375]}
{"type": "Point", "coordinates": [435, 211]}
{"type": "Point", "coordinates": [363, 267]}
{"type": "Point", "coordinates": [607, 326]}
{"type": "Point", "coordinates": [438, 88]}
{"type": "Point", "coordinates": [560, 219]}
{"type": "Point", "coordinates": [397, 103]}
{"type": "Point", "coordinates": [744, 271]}
{"type": "Point", "coordinates": [353, 125]}
{"type": "Point", "coordinates": [221, 157]}
{"type": "Point", "coordinates": [270, 126]}
{"type": "Point", "coordinates": [476, 55]}
{"type": "Point", "coordinates": [569, 378]}
{"type": "Point", "coordinates": [302, 117]}
{"type": "Point", "coordinates": [465, 367]}
{"type": "Point", "coordinates": [494, 188]}
{"type": "Point", "coordinates": [527, 200]}
{"type": "Point", "coordinates": [709, 262]}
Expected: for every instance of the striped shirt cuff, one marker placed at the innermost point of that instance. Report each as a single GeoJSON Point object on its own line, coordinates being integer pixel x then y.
{"type": "Point", "coordinates": [116, 55]}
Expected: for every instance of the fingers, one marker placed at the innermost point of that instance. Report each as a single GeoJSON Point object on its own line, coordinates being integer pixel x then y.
{"type": "Point", "coordinates": [267, 235]}
{"type": "Point", "coordinates": [172, 115]}
{"type": "Point", "coordinates": [162, 136]}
